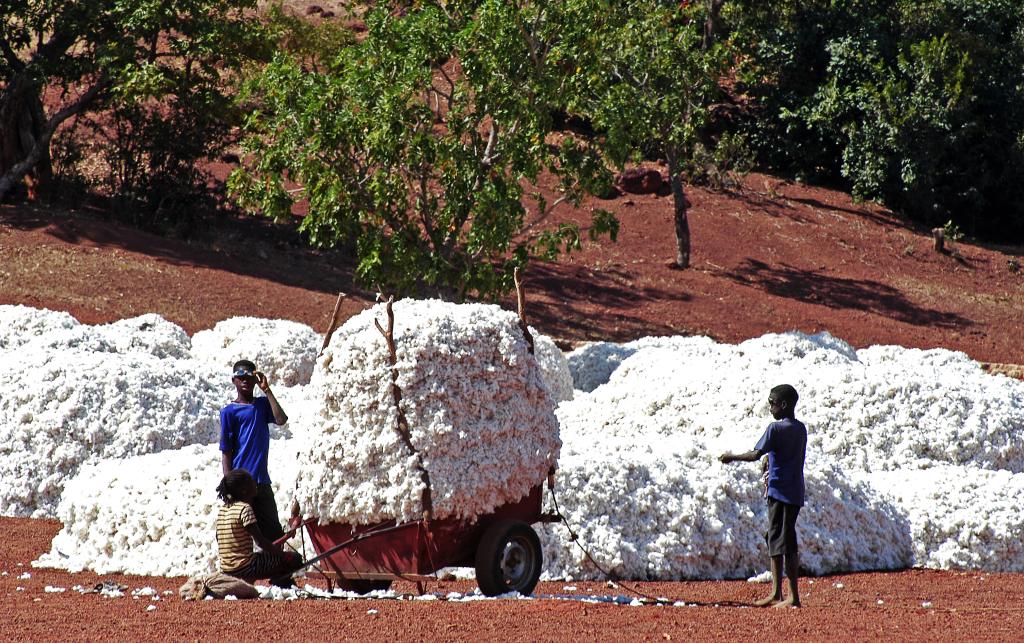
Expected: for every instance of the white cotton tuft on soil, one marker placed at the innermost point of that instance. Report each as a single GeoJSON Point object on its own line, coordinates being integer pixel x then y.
{"type": "Point", "coordinates": [153, 514]}
{"type": "Point", "coordinates": [639, 471]}
{"type": "Point", "coordinates": [284, 350]}
{"type": "Point", "coordinates": [75, 393]}
{"type": "Point", "coordinates": [481, 418]}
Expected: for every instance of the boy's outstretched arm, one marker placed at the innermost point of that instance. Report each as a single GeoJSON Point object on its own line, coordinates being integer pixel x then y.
{"type": "Point", "coordinates": [749, 456]}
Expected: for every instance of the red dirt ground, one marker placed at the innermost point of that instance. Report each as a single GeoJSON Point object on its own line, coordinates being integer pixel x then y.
{"type": "Point", "coordinates": [770, 257]}
{"type": "Point", "coordinates": [876, 606]}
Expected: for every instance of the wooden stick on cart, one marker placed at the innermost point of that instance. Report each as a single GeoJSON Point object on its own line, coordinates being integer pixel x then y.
{"type": "Point", "coordinates": [521, 301]}
{"type": "Point", "coordinates": [334, 323]}
{"type": "Point", "coordinates": [403, 423]}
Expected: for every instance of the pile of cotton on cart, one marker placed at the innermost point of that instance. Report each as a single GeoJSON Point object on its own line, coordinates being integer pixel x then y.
{"type": "Point", "coordinates": [480, 416]}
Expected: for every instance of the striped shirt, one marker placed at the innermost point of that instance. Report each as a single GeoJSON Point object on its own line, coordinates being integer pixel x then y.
{"type": "Point", "coordinates": [234, 544]}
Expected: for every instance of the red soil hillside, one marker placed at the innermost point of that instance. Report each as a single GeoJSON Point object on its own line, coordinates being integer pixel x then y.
{"type": "Point", "coordinates": [772, 256]}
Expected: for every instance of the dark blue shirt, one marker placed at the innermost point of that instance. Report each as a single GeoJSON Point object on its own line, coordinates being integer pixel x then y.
{"type": "Point", "coordinates": [785, 442]}
{"type": "Point", "coordinates": [245, 432]}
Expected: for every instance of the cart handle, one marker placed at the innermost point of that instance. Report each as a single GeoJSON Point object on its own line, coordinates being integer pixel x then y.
{"type": "Point", "coordinates": [294, 530]}
{"type": "Point", "coordinates": [333, 550]}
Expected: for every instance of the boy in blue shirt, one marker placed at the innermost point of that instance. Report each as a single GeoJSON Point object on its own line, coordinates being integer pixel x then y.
{"type": "Point", "coordinates": [785, 443]}
{"type": "Point", "coordinates": [245, 440]}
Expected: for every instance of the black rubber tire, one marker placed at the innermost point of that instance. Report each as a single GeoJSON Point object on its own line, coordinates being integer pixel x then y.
{"type": "Point", "coordinates": [361, 586]}
{"type": "Point", "coordinates": [508, 558]}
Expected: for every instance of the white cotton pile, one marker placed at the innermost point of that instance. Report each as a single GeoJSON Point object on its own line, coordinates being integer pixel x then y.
{"type": "Point", "coordinates": [75, 393]}
{"type": "Point", "coordinates": [960, 517]}
{"type": "Point", "coordinates": [914, 457]}
{"type": "Point", "coordinates": [554, 367]}
{"type": "Point", "coordinates": [285, 350]}
{"type": "Point", "coordinates": [593, 363]}
{"type": "Point", "coordinates": [150, 334]}
{"type": "Point", "coordinates": [876, 409]}
{"type": "Point", "coordinates": [22, 327]}
{"type": "Point", "coordinates": [665, 509]}
{"type": "Point", "coordinates": [153, 514]}
{"type": "Point", "coordinates": [676, 403]}
{"type": "Point", "coordinates": [481, 418]}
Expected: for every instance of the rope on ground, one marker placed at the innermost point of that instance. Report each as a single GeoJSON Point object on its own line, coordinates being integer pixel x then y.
{"type": "Point", "coordinates": [616, 582]}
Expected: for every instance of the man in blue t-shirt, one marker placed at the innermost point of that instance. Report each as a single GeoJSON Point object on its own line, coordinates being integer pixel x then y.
{"type": "Point", "coordinates": [245, 439]}
{"type": "Point", "coordinates": [785, 442]}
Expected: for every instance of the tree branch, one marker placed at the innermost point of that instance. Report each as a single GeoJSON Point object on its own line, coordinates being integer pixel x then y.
{"type": "Point", "coordinates": [402, 425]}
{"type": "Point", "coordinates": [42, 144]}
{"type": "Point", "coordinates": [12, 58]}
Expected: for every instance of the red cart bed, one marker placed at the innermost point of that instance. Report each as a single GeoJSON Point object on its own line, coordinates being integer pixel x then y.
{"type": "Point", "coordinates": [501, 545]}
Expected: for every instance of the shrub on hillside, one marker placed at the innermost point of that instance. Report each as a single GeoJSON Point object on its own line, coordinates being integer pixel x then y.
{"type": "Point", "coordinates": [918, 104]}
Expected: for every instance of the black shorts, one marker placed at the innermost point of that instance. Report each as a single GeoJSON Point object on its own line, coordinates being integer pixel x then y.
{"type": "Point", "coordinates": [781, 534]}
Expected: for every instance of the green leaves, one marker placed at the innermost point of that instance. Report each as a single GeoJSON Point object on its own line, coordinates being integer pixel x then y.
{"type": "Point", "coordinates": [414, 144]}
{"type": "Point", "coordinates": [160, 70]}
{"type": "Point", "coordinates": [917, 103]}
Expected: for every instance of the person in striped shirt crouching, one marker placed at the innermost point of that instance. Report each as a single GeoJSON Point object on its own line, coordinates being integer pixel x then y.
{"type": "Point", "coordinates": [237, 530]}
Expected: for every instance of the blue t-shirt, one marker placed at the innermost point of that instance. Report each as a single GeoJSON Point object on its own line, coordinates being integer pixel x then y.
{"type": "Point", "coordinates": [785, 442]}
{"type": "Point", "coordinates": [245, 432]}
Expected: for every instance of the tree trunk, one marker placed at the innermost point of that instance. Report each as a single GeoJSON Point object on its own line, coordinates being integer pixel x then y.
{"type": "Point", "coordinates": [680, 205]}
{"type": "Point", "coordinates": [713, 22]}
{"type": "Point", "coordinates": [37, 158]}
{"type": "Point", "coordinates": [22, 125]}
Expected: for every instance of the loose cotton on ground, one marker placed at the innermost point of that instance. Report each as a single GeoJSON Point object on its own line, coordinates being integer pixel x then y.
{"type": "Point", "coordinates": [481, 418]}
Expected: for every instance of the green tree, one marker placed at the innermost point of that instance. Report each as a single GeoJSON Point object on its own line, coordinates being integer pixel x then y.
{"type": "Point", "coordinates": [418, 144]}
{"type": "Point", "coordinates": [646, 74]}
{"type": "Point", "coordinates": [83, 54]}
{"type": "Point", "coordinates": [916, 103]}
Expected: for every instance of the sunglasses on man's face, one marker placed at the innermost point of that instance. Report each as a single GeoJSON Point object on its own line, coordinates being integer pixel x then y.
{"type": "Point", "coordinates": [242, 374]}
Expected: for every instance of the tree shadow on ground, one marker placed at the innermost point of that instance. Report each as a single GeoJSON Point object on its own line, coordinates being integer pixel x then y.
{"type": "Point", "coordinates": [813, 287]}
{"type": "Point", "coordinates": [580, 302]}
{"type": "Point", "coordinates": [886, 218]}
{"type": "Point", "coordinates": [242, 245]}
{"type": "Point", "coordinates": [782, 205]}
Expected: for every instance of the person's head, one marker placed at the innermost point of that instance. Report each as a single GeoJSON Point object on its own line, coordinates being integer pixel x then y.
{"type": "Point", "coordinates": [237, 485]}
{"type": "Point", "coordinates": [782, 401]}
{"type": "Point", "coordinates": [242, 376]}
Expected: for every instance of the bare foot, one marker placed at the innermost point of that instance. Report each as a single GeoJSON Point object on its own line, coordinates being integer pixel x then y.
{"type": "Point", "coordinates": [767, 600]}
{"type": "Point", "coordinates": [787, 603]}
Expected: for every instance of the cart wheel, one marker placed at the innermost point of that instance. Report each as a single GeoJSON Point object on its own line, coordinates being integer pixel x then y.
{"type": "Point", "coordinates": [362, 586]}
{"type": "Point", "coordinates": [508, 559]}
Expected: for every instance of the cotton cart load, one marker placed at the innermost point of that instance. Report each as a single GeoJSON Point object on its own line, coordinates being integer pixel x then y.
{"type": "Point", "coordinates": [433, 435]}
